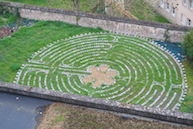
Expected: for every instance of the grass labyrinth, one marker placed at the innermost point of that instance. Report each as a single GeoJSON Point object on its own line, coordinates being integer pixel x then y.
{"type": "Point", "coordinates": [146, 74]}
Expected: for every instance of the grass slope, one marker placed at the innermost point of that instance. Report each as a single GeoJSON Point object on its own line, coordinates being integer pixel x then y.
{"type": "Point", "coordinates": [187, 105]}
{"type": "Point", "coordinates": [144, 11]}
{"type": "Point", "coordinates": [85, 5]}
{"type": "Point", "coordinates": [17, 49]}
{"type": "Point", "coordinates": [138, 8]}
{"type": "Point", "coordinates": [23, 43]}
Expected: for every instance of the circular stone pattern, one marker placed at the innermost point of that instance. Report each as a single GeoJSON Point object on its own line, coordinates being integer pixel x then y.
{"type": "Point", "coordinates": [130, 69]}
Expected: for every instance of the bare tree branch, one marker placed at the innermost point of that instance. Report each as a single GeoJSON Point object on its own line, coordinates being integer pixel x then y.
{"type": "Point", "coordinates": [76, 5]}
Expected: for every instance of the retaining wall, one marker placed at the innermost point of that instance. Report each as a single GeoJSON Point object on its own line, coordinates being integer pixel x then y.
{"type": "Point", "coordinates": [105, 104]}
{"type": "Point", "coordinates": [149, 29]}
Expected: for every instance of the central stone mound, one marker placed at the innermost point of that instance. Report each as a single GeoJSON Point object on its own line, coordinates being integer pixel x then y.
{"type": "Point", "coordinates": [100, 75]}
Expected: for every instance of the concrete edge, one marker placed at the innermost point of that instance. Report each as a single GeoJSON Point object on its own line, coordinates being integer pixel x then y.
{"type": "Point", "coordinates": [98, 103]}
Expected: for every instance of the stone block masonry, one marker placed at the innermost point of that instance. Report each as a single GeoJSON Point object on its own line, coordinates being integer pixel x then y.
{"type": "Point", "coordinates": [147, 29]}
{"type": "Point", "coordinates": [104, 104]}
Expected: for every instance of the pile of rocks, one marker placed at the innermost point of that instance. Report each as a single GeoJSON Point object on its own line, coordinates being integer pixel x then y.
{"type": "Point", "coordinates": [5, 32]}
{"type": "Point", "coordinates": [8, 29]}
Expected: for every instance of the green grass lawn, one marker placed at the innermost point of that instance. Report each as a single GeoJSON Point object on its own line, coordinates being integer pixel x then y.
{"type": "Point", "coordinates": [187, 105]}
{"type": "Point", "coordinates": [85, 5]}
{"type": "Point", "coordinates": [69, 57]}
{"type": "Point", "coordinates": [33, 2]}
{"type": "Point", "coordinates": [17, 49]}
{"type": "Point", "coordinates": [23, 43]}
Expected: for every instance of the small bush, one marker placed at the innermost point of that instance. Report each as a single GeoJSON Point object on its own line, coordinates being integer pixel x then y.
{"type": "Point", "coordinates": [188, 45]}
{"type": "Point", "coordinates": [1, 21]}
{"type": "Point", "coordinates": [11, 19]}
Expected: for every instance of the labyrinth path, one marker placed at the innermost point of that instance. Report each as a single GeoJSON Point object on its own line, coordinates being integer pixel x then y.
{"type": "Point", "coordinates": [112, 66]}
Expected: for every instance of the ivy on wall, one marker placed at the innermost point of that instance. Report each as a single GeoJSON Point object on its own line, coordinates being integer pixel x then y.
{"type": "Point", "coordinates": [4, 10]}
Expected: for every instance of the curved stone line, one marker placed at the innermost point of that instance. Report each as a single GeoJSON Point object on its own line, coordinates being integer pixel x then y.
{"type": "Point", "coordinates": [67, 60]}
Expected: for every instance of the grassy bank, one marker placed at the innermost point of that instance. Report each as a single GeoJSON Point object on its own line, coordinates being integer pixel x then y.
{"type": "Point", "coordinates": [23, 43]}
{"type": "Point", "coordinates": [17, 49]}
{"type": "Point", "coordinates": [144, 11]}
{"type": "Point", "coordinates": [85, 5]}
{"type": "Point", "coordinates": [138, 8]}
{"type": "Point", "coordinates": [187, 105]}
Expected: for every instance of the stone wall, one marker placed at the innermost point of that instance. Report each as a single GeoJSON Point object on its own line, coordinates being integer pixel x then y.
{"type": "Point", "coordinates": [125, 26]}
{"type": "Point", "coordinates": [104, 104]}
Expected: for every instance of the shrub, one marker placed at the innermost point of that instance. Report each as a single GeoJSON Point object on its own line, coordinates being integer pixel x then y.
{"type": "Point", "coordinates": [1, 22]}
{"type": "Point", "coordinates": [188, 45]}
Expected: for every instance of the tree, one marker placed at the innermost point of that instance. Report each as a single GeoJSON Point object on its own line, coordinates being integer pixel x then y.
{"type": "Point", "coordinates": [96, 6]}
{"type": "Point", "coordinates": [87, 6]}
{"type": "Point", "coordinates": [188, 45]}
{"type": "Point", "coordinates": [117, 8]}
{"type": "Point", "coordinates": [76, 5]}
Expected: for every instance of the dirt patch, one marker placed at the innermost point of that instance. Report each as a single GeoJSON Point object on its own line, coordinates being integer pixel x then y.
{"type": "Point", "coordinates": [100, 75]}
{"type": "Point", "coordinates": [63, 116]}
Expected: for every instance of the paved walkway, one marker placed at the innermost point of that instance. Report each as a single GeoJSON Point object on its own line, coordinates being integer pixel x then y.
{"type": "Point", "coordinates": [20, 112]}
